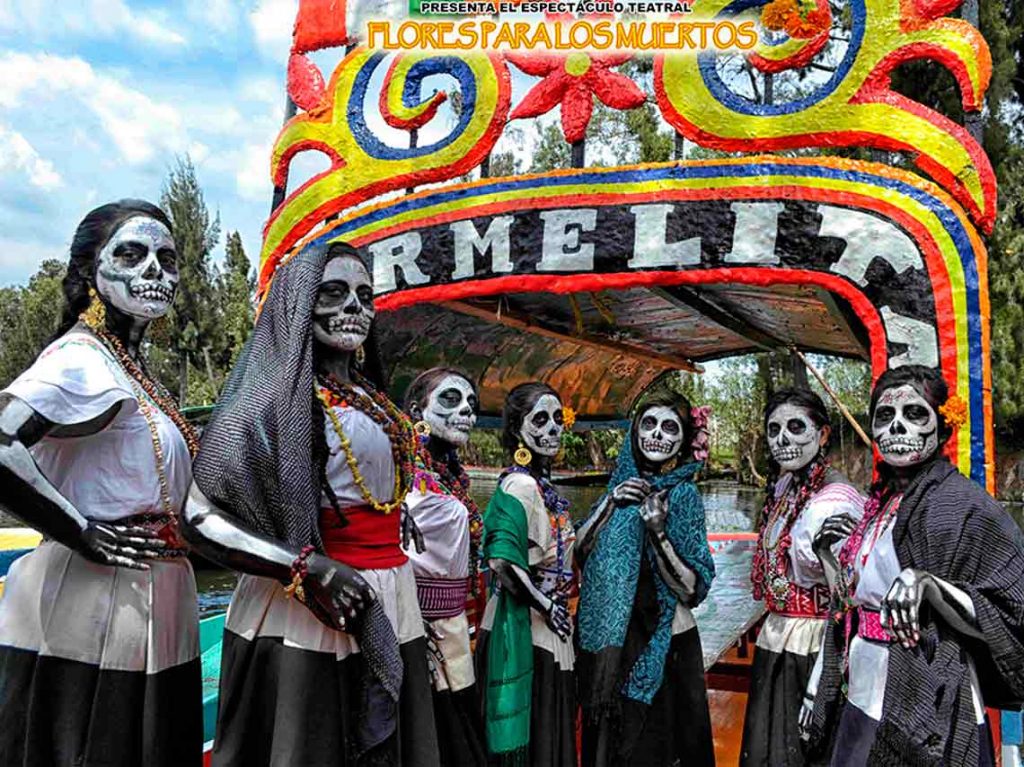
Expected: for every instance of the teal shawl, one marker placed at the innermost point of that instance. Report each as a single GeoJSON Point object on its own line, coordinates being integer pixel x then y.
{"type": "Point", "coordinates": [610, 575]}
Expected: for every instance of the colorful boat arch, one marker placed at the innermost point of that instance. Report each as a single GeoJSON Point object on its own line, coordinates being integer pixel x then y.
{"type": "Point", "coordinates": [897, 249]}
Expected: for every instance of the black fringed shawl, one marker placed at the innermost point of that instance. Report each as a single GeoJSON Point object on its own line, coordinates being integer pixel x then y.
{"type": "Point", "coordinates": [949, 527]}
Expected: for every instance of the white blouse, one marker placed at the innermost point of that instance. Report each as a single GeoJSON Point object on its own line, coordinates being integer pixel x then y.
{"type": "Point", "coordinates": [802, 636]}
{"type": "Point", "coordinates": [543, 544]}
{"type": "Point", "coordinates": [443, 521]}
{"type": "Point", "coordinates": [869, 661]}
{"type": "Point", "coordinates": [372, 450]}
{"type": "Point", "coordinates": [111, 474]}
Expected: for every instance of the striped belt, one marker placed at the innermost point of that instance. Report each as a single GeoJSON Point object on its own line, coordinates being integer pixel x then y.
{"type": "Point", "coordinates": [869, 626]}
{"type": "Point", "coordinates": [442, 597]}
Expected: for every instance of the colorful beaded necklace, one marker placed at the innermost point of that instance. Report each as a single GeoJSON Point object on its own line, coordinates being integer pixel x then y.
{"type": "Point", "coordinates": [394, 423]}
{"type": "Point", "coordinates": [458, 486]}
{"type": "Point", "coordinates": [770, 571]}
{"type": "Point", "coordinates": [146, 390]}
{"type": "Point", "coordinates": [558, 514]}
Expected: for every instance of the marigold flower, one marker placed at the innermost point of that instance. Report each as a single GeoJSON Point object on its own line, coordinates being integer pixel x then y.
{"type": "Point", "coordinates": [568, 417]}
{"type": "Point", "coordinates": [954, 412]}
{"type": "Point", "coordinates": [775, 15]}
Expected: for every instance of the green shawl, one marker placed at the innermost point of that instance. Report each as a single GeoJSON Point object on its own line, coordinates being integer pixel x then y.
{"type": "Point", "coordinates": [509, 682]}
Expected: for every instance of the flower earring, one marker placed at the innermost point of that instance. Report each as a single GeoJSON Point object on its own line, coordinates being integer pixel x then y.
{"type": "Point", "coordinates": [522, 456]}
{"type": "Point", "coordinates": [95, 316]}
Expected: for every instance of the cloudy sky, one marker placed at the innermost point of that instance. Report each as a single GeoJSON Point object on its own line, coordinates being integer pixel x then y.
{"type": "Point", "coordinates": [98, 97]}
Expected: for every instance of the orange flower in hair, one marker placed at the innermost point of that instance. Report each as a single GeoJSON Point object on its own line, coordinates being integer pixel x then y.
{"type": "Point", "coordinates": [568, 417]}
{"type": "Point", "coordinates": [954, 412]}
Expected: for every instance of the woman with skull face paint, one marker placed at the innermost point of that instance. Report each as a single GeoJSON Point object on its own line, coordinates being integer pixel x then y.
{"type": "Point", "coordinates": [933, 579]}
{"type": "Point", "coordinates": [300, 486]}
{"type": "Point", "coordinates": [446, 570]}
{"type": "Point", "coordinates": [524, 654]}
{"type": "Point", "coordinates": [803, 493]}
{"type": "Point", "coordinates": [646, 564]}
{"type": "Point", "coordinates": [99, 650]}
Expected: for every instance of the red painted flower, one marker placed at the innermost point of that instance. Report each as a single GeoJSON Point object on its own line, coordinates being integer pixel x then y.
{"type": "Point", "coordinates": [573, 81]}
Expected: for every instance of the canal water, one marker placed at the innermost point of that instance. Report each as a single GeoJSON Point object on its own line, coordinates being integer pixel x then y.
{"type": "Point", "coordinates": [729, 507]}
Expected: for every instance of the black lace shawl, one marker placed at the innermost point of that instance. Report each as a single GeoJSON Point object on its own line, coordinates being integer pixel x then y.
{"type": "Point", "coordinates": [949, 527]}
{"type": "Point", "coordinates": [261, 461]}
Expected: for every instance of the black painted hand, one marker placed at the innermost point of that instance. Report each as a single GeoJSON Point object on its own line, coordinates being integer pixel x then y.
{"type": "Point", "coordinates": [654, 512]}
{"type": "Point", "coordinates": [411, 532]}
{"type": "Point", "coordinates": [558, 620]}
{"type": "Point", "coordinates": [340, 591]}
{"type": "Point", "coordinates": [901, 608]}
{"type": "Point", "coordinates": [120, 545]}
{"type": "Point", "coordinates": [631, 492]}
{"type": "Point", "coordinates": [833, 530]}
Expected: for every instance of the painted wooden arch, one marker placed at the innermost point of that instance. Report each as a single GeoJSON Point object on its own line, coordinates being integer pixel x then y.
{"type": "Point", "coordinates": [897, 249]}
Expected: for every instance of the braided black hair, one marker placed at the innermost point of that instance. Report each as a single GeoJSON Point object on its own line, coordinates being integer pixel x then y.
{"type": "Point", "coordinates": [93, 232]}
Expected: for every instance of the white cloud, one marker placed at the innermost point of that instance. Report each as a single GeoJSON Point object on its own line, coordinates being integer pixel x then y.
{"type": "Point", "coordinates": [218, 15]}
{"type": "Point", "coordinates": [252, 177]}
{"type": "Point", "coordinates": [272, 23]}
{"type": "Point", "coordinates": [138, 125]}
{"type": "Point", "coordinates": [17, 155]}
{"type": "Point", "coordinates": [46, 19]}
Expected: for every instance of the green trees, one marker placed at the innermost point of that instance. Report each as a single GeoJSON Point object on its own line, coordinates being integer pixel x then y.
{"type": "Point", "coordinates": [29, 317]}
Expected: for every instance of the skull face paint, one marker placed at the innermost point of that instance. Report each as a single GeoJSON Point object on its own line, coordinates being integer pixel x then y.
{"type": "Point", "coordinates": [904, 427]}
{"type": "Point", "coordinates": [660, 434]}
{"type": "Point", "coordinates": [137, 270]}
{"type": "Point", "coordinates": [451, 410]}
{"type": "Point", "coordinates": [542, 427]}
{"type": "Point", "coordinates": [793, 438]}
{"type": "Point", "coordinates": [344, 305]}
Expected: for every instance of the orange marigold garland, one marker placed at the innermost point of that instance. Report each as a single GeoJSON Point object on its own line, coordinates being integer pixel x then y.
{"type": "Point", "coordinates": [954, 412]}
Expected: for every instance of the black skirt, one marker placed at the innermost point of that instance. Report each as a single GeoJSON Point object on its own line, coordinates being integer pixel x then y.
{"type": "Point", "coordinates": [292, 690]}
{"type": "Point", "coordinates": [99, 665]}
{"type": "Point", "coordinates": [675, 728]}
{"type": "Point", "coordinates": [771, 732]}
{"type": "Point", "coordinates": [552, 708]}
{"type": "Point", "coordinates": [459, 728]}
{"type": "Point", "coordinates": [856, 735]}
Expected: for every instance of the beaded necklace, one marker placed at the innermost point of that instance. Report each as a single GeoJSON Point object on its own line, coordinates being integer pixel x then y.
{"type": "Point", "coordinates": [558, 514]}
{"type": "Point", "coordinates": [395, 424]}
{"type": "Point", "coordinates": [458, 486]}
{"type": "Point", "coordinates": [146, 390]}
{"type": "Point", "coordinates": [770, 571]}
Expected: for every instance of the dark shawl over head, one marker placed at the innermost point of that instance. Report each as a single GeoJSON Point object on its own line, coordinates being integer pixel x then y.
{"type": "Point", "coordinates": [258, 457]}
{"type": "Point", "coordinates": [255, 461]}
{"type": "Point", "coordinates": [949, 527]}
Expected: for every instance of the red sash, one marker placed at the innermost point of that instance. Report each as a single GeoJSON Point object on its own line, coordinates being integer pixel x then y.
{"type": "Point", "coordinates": [370, 540]}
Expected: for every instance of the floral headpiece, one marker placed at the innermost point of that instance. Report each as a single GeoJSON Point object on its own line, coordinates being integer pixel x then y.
{"type": "Point", "coordinates": [568, 417]}
{"type": "Point", "coordinates": [699, 417]}
{"type": "Point", "coordinates": [954, 412]}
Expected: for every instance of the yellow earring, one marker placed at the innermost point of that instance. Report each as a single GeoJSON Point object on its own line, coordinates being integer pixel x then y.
{"type": "Point", "coordinates": [360, 356]}
{"type": "Point", "coordinates": [95, 317]}
{"type": "Point", "coordinates": [522, 456]}
{"type": "Point", "coordinates": [421, 429]}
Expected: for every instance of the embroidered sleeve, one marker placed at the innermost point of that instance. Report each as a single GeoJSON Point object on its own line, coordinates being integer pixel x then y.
{"type": "Point", "coordinates": [831, 500]}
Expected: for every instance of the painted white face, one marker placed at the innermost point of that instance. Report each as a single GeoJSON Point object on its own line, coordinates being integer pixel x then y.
{"type": "Point", "coordinates": [451, 410]}
{"type": "Point", "coordinates": [137, 270]}
{"type": "Point", "coordinates": [905, 427]}
{"type": "Point", "coordinates": [793, 438]}
{"type": "Point", "coordinates": [344, 305]}
{"type": "Point", "coordinates": [660, 434]}
{"type": "Point", "coordinates": [542, 427]}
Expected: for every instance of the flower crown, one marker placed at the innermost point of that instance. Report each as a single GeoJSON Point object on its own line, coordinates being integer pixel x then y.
{"type": "Point", "coordinates": [954, 412]}
{"type": "Point", "coordinates": [699, 417]}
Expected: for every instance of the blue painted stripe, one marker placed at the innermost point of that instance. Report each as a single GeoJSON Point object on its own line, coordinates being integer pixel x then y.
{"type": "Point", "coordinates": [448, 65]}
{"type": "Point", "coordinates": [743, 105]}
